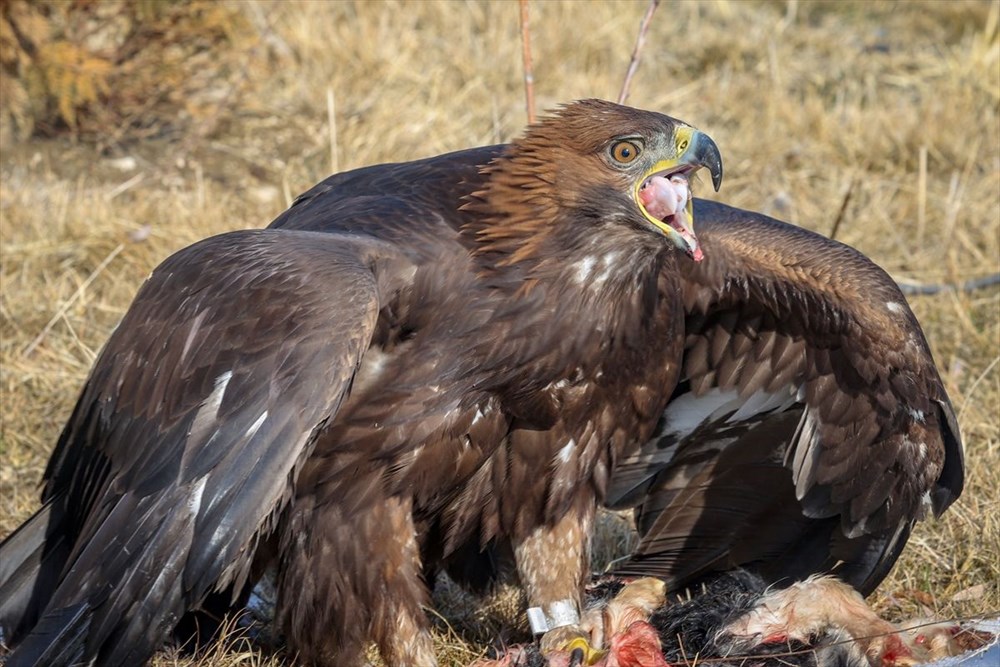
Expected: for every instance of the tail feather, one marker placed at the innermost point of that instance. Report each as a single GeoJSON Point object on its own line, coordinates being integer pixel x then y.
{"type": "Point", "coordinates": [57, 640]}
{"type": "Point", "coordinates": [31, 561]}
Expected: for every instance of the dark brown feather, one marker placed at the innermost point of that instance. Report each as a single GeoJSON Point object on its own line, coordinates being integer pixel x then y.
{"type": "Point", "coordinates": [830, 478]}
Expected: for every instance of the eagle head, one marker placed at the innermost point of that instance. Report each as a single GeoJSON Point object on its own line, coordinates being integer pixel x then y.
{"type": "Point", "coordinates": [647, 157]}
{"type": "Point", "coordinates": [599, 164]}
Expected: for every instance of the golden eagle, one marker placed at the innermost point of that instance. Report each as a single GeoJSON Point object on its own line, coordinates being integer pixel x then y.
{"type": "Point", "coordinates": [412, 354]}
{"type": "Point", "coordinates": [471, 349]}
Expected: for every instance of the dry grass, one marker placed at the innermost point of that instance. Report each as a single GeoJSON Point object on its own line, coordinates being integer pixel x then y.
{"type": "Point", "coordinates": [803, 98]}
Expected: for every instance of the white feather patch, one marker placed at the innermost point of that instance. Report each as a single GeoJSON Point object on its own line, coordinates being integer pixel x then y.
{"type": "Point", "coordinates": [194, 498]}
{"type": "Point", "coordinates": [254, 427]}
{"type": "Point", "coordinates": [687, 412]}
{"type": "Point", "coordinates": [204, 419]}
{"type": "Point", "coordinates": [567, 451]}
{"type": "Point", "coordinates": [761, 402]}
{"type": "Point", "coordinates": [192, 334]}
{"type": "Point", "coordinates": [608, 265]}
{"type": "Point", "coordinates": [214, 399]}
{"type": "Point", "coordinates": [584, 268]}
{"type": "Point", "coordinates": [806, 455]}
{"type": "Point", "coordinates": [683, 416]}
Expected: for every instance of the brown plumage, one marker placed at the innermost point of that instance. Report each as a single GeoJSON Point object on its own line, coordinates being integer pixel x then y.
{"type": "Point", "coordinates": [809, 432]}
{"type": "Point", "coordinates": [810, 429]}
{"type": "Point", "coordinates": [411, 357]}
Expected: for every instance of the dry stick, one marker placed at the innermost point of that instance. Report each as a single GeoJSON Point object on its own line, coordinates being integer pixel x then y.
{"type": "Point", "coordinates": [921, 195]}
{"type": "Point", "coordinates": [69, 302]}
{"type": "Point", "coordinates": [331, 119]}
{"type": "Point", "coordinates": [910, 288]}
{"type": "Point", "coordinates": [913, 288]}
{"type": "Point", "coordinates": [199, 179]}
{"type": "Point", "coordinates": [843, 208]}
{"type": "Point", "coordinates": [955, 196]}
{"type": "Point", "coordinates": [640, 39]}
{"type": "Point", "coordinates": [684, 657]}
{"type": "Point", "coordinates": [127, 185]}
{"type": "Point", "coordinates": [529, 77]}
{"type": "Point", "coordinates": [968, 394]}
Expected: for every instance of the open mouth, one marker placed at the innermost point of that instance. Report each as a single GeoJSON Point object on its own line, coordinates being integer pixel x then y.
{"type": "Point", "coordinates": [665, 198]}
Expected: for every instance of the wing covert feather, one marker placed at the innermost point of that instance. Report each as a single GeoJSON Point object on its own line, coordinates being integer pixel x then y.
{"type": "Point", "coordinates": [198, 413]}
{"type": "Point", "coordinates": [780, 323]}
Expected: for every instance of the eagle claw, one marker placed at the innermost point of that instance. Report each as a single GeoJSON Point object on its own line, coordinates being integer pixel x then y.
{"type": "Point", "coordinates": [572, 640]}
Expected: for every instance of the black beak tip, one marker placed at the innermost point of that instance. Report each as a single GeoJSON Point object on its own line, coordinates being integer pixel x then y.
{"type": "Point", "coordinates": [710, 158]}
{"type": "Point", "coordinates": [717, 175]}
{"type": "Point", "coordinates": [705, 153]}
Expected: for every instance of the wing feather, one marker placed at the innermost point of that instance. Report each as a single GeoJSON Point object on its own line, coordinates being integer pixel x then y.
{"type": "Point", "coordinates": [191, 428]}
{"type": "Point", "coordinates": [841, 445]}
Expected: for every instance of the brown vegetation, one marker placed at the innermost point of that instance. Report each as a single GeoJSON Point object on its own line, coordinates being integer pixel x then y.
{"type": "Point", "coordinates": [111, 69]}
{"type": "Point", "coordinates": [183, 138]}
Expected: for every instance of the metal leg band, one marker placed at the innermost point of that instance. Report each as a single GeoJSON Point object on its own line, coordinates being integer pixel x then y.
{"type": "Point", "coordinates": [554, 615]}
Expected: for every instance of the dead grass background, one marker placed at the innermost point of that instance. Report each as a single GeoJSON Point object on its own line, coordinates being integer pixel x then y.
{"type": "Point", "coordinates": [804, 98]}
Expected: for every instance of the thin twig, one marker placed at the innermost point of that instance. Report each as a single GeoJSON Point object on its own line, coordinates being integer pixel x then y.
{"type": "Point", "coordinates": [63, 309]}
{"type": "Point", "coordinates": [843, 208]}
{"type": "Point", "coordinates": [529, 77]}
{"type": "Point", "coordinates": [331, 120]}
{"type": "Point", "coordinates": [910, 288]}
{"type": "Point", "coordinates": [972, 389]}
{"type": "Point", "coordinates": [921, 195]}
{"type": "Point", "coordinates": [286, 190]}
{"type": "Point", "coordinates": [680, 643]}
{"type": "Point", "coordinates": [640, 39]}
{"type": "Point", "coordinates": [199, 179]}
{"type": "Point", "coordinates": [127, 185]}
{"type": "Point", "coordinates": [955, 197]}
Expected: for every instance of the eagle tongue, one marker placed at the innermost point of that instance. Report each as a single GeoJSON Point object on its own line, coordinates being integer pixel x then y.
{"type": "Point", "coordinates": [666, 197]}
{"type": "Point", "coordinates": [663, 197]}
{"type": "Point", "coordinates": [681, 223]}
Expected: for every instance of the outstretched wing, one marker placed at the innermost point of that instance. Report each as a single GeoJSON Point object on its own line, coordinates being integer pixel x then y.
{"type": "Point", "coordinates": [188, 435]}
{"type": "Point", "coordinates": [811, 427]}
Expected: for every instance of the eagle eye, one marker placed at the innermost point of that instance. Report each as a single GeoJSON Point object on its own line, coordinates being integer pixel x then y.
{"type": "Point", "coordinates": [625, 152]}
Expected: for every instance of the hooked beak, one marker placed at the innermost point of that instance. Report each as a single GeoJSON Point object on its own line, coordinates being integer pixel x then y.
{"type": "Point", "coordinates": [664, 194]}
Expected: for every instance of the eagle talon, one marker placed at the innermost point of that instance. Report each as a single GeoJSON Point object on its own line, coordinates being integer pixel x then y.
{"type": "Point", "coordinates": [571, 640]}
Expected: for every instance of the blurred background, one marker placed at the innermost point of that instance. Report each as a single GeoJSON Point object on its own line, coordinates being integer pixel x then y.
{"type": "Point", "coordinates": [131, 129]}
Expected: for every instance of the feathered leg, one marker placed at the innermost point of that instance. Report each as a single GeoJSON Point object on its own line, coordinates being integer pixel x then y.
{"type": "Point", "coordinates": [553, 563]}
{"type": "Point", "coordinates": [349, 580]}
